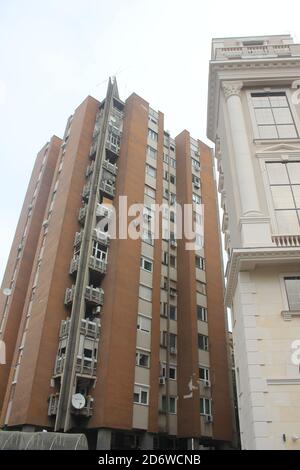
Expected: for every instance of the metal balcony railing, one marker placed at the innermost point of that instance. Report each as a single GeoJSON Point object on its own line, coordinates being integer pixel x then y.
{"type": "Point", "coordinates": [53, 403]}
{"type": "Point", "coordinates": [82, 214]}
{"type": "Point", "coordinates": [90, 169]}
{"type": "Point", "coordinates": [107, 188]}
{"type": "Point", "coordinates": [94, 295]}
{"type": "Point", "coordinates": [87, 327]}
{"type": "Point", "coordinates": [110, 167]}
{"type": "Point", "coordinates": [99, 236]}
{"type": "Point", "coordinates": [59, 365]}
{"type": "Point", "coordinates": [69, 295]}
{"type": "Point", "coordinates": [86, 366]}
{"type": "Point", "coordinates": [74, 265]}
{"type": "Point", "coordinates": [86, 191]}
{"type": "Point", "coordinates": [93, 150]}
{"type": "Point", "coordinates": [102, 211]}
{"type": "Point", "coordinates": [97, 264]}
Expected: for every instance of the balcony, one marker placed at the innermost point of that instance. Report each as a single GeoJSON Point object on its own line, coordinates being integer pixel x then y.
{"type": "Point", "coordinates": [102, 211]}
{"type": "Point", "coordinates": [90, 169]}
{"type": "Point", "coordinates": [113, 141]}
{"type": "Point", "coordinates": [53, 404]}
{"type": "Point", "coordinates": [78, 238]}
{"type": "Point", "coordinates": [86, 366]}
{"type": "Point", "coordinates": [110, 167]}
{"type": "Point", "coordinates": [82, 215]}
{"type": "Point", "coordinates": [101, 237]}
{"type": "Point", "coordinates": [86, 191]}
{"type": "Point", "coordinates": [108, 188]}
{"type": "Point", "coordinates": [74, 265]}
{"type": "Point", "coordinates": [87, 328]}
{"type": "Point", "coordinates": [93, 295]}
{"type": "Point", "coordinates": [93, 150]}
{"type": "Point", "coordinates": [59, 365]}
{"type": "Point", "coordinates": [87, 410]}
{"type": "Point", "coordinates": [286, 241]}
{"type": "Point", "coordinates": [97, 264]}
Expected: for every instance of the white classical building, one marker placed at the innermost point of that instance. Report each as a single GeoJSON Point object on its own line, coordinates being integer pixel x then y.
{"type": "Point", "coordinates": [254, 120]}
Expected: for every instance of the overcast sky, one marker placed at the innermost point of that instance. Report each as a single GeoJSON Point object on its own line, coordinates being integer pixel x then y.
{"type": "Point", "coordinates": [54, 53]}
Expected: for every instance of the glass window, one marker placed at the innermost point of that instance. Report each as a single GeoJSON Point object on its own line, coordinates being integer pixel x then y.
{"type": "Point", "coordinates": [196, 198]}
{"type": "Point", "coordinates": [201, 313]}
{"type": "Point", "coordinates": [150, 171]}
{"type": "Point", "coordinates": [273, 116]}
{"type": "Point", "coordinates": [146, 264]}
{"type": "Point", "coordinates": [172, 312]}
{"type": "Point", "coordinates": [140, 395]}
{"type": "Point", "coordinates": [203, 342]}
{"type": "Point", "coordinates": [292, 286]}
{"type": "Point", "coordinates": [151, 152]}
{"type": "Point", "coordinates": [144, 323]}
{"type": "Point", "coordinates": [150, 191]}
{"type": "Point", "coordinates": [284, 179]}
{"type": "Point", "coordinates": [145, 293]}
{"type": "Point", "coordinates": [205, 406]}
{"type": "Point", "coordinates": [142, 359]}
{"type": "Point", "coordinates": [153, 135]}
{"type": "Point", "coordinates": [203, 373]}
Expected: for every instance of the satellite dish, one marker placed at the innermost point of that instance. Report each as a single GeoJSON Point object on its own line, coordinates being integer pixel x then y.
{"type": "Point", "coordinates": [7, 291]}
{"type": "Point", "coordinates": [78, 401]}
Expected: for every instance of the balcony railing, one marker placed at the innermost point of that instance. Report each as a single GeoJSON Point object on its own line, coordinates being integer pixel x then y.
{"type": "Point", "coordinates": [87, 327]}
{"type": "Point", "coordinates": [93, 150]}
{"type": "Point", "coordinates": [99, 236]}
{"type": "Point", "coordinates": [110, 167]}
{"type": "Point", "coordinates": [97, 264]}
{"type": "Point", "coordinates": [82, 214]}
{"type": "Point", "coordinates": [90, 169]}
{"type": "Point", "coordinates": [107, 188]}
{"type": "Point", "coordinates": [78, 238]}
{"type": "Point", "coordinates": [102, 211]}
{"type": "Point", "coordinates": [74, 265]}
{"type": "Point", "coordinates": [245, 52]}
{"type": "Point", "coordinates": [94, 295]}
{"type": "Point", "coordinates": [86, 191]}
{"type": "Point", "coordinates": [288, 241]}
{"type": "Point", "coordinates": [53, 403]}
{"type": "Point", "coordinates": [59, 365]}
{"type": "Point", "coordinates": [86, 366]}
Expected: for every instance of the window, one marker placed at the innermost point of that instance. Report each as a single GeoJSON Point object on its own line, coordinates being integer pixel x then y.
{"type": "Point", "coordinates": [165, 258]}
{"type": "Point", "coordinates": [164, 309]}
{"type": "Point", "coordinates": [147, 236]}
{"type": "Point", "coordinates": [166, 158]}
{"type": "Point", "coordinates": [172, 216]}
{"type": "Point", "coordinates": [172, 371]}
{"type": "Point", "coordinates": [172, 312]}
{"type": "Point", "coordinates": [172, 404]}
{"type": "Point", "coordinates": [201, 313]}
{"type": "Point", "coordinates": [273, 115]}
{"type": "Point", "coordinates": [173, 261]}
{"type": "Point", "coordinates": [172, 162]}
{"type": "Point", "coordinates": [196, 181]}
{"type": "Point", "coordinates": [151, 152]}
{"type": "Point", "coordinates": [205, 406]}
{"type": "Point", "coordinates": [170, 340]}
{"type": "Point", "coordinates": [142, 359]}
{"type": "Point", "coordinates": [166, 176]}
{"type": "Point", "coordinates": [146, 264]}
{"type": "Point", "coordinates": [201, 287]}
{"type": "Point", "coordinates": [292, 286]}
{"type": "Point", "coordinates": [284, 179]}
{"type": "Point", "coordinates": [150, 171]}
{"type": "Point", "coordinates": [144, 323]}
{"type": "Point", "coordinates": [166, 193]}
{"type": "Point", "coordinates": [196, 198]}
{"type": "Point", "coordinates": [195, 164]}
{"type": "Point", "coordinates": [153, 135]}
{"type": "Point", "coordinates": [150, 191]}
{"type": "Point", "coordinates": [97, 251]}
{"type": "Point", "coordinates": [204, 373]}
{"type": "Point", "coordinates": [200, 262]}
{"type": "Point", "coordinates": [203, 342]}
{"type": "Point", "coordinates": [172, 179]}
{"type": "Point", "coordinates": [145, 293]}
{"type": "Point", "coordinates": [140, 395]}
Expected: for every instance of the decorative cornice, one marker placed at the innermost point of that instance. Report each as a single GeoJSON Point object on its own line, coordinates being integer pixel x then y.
{"type": "Point", "coordinates": [232, 88]}
{"type": "Point", "coordinates": [239, 257]}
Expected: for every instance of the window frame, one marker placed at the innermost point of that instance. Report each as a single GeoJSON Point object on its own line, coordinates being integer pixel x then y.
{"type": "Point", "coordinates": [141, 388]}
{"type": "Point", "coordinates": [140, 318]}
{"type": "Point", "coordinates": [284, 295]}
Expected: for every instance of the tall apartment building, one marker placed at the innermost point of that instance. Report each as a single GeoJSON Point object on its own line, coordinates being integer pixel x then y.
{"type": "Point", "coordinates": [123, 339]}
{"type": "Point", "coordinates": [254, 120]}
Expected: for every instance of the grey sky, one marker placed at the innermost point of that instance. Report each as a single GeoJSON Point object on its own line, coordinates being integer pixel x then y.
{"type": "Point", "coordinates": [54, 53]}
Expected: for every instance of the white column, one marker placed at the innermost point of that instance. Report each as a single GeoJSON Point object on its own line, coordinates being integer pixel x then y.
{"type": "Point", "coordinates": [242, 153]}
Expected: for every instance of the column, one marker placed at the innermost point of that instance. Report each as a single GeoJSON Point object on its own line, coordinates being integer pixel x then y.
{"type": "Point", "coordinates": [242, 154]}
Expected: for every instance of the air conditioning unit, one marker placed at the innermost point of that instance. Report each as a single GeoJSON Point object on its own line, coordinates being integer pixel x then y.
{"type": "Point", "coordinates": [173, 350]}
{"type": "Point", "coordinates": [162, 380]}
{"type": "Point", "coordinates": [208, 419]}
